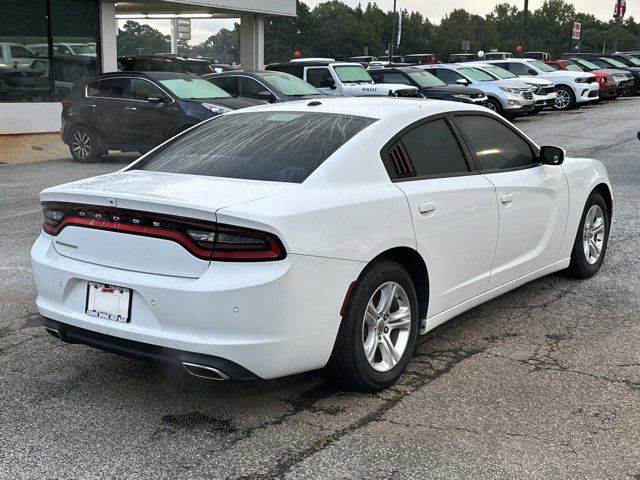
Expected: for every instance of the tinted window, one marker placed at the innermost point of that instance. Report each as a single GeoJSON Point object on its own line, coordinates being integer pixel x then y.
{"type": "Point", "coordinates": [271, 146]}
{"type": "Point", "coordinates": [197, 67]}
{"type": "Point", "coordinates": [142, 90]}
{"type": "Point", "coordinates": [434, 150]}
{"type": "Point", "coordinates": [320, 77]}
{"type": "Point", "coordinates": [495, 145]}
{"type": "Point", "coordinates": [109, 88]}
{"type": "Point", "coordinates": [555, 66]}
{"type": "Point", "coordinates": [395, 78]}
{"type": "Point", "coordinates": [162, 65]}
{"type": "Point", "coordinates": [447, 76]}
{"type": "Point", "coordinates": [140, 65]}
{"type": "Point", "coordinates": [228, 84]}
{"type": "Point", "coordinates": [517, 68]}
{"type": "Point", "coordinates": [247, 87]}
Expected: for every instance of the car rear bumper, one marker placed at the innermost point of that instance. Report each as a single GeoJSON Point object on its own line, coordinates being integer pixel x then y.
{"type": "Point", "coordinates": [271, 318]}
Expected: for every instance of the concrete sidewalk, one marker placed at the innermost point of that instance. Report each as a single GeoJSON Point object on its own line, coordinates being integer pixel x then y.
{"type": "Point", "coordinates": [30, 148]}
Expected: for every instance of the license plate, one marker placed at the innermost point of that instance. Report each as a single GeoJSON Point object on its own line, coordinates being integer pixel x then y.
{"type": "Point", "coordinates": [109, 301]}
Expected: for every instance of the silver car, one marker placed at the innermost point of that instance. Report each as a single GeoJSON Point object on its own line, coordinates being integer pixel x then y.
{"type": "Point", "coordinates": [510, 98]}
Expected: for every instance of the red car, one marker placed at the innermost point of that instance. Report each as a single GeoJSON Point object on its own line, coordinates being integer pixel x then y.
{"type": "Point", "coordinates": [608, 86]}
{"type": "Point", "coordinates": [422, 58]}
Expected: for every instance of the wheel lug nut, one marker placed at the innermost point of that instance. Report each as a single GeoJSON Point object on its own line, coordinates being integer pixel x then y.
{"type": "Point", "coordinates": [386, 329]}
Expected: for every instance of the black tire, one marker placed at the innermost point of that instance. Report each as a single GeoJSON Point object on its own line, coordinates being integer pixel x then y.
{"type": "Point", "coordinates": [580, 267]}
{"type": "Point", "coordinates": [348, 364]}
{"type": "Point", "coordinates": [493, 104]}
{"type": "Point", "coordinates": [85, 145]}
{"type": "Point", "coordinates": [565, 92]}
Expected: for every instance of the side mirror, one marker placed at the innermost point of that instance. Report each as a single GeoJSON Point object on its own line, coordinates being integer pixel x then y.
{"type": "Point", "coordinates": [552, 155]}
{"type": "Point", "coordinates": [266, 95]}
{"type": "Point", "coordinates": [462, 81]}
{"type": "Point", "coordinates": [532, 72]}
{"type": "Point", "coordinates": [332, 85]}
{"type": "Point", "coordinates": [156, 99]}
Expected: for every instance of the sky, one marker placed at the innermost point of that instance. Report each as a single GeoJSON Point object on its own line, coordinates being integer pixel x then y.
{"type": "Point", "coordinates": [434, 10]}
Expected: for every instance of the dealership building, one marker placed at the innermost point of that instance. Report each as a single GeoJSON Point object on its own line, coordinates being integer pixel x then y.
{"type": "Point", "coordinates": [45, 45]}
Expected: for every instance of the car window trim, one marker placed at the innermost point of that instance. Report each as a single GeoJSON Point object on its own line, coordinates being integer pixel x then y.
{"type": "Point", "coordinates": [535, 151]}
{"type": "Point", "coordinates": [86, 89]}
{"type": "Point", "coordinates": [384, 152]}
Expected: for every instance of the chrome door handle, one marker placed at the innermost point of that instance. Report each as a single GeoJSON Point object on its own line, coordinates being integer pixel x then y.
{"type": "Point", "coordinates": [428, 207]}
{"type": "Point", "coordinates": [130, 108]}
{"type": "Point", "coordinates": [506, 199]}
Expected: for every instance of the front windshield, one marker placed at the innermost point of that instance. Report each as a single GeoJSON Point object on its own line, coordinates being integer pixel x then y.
{"type": "Point", "coordinates": [615, 63]}
{"type": "Point", "coordinates": [573, 67]}
{"type": "Point", "coordinates": [499, 72]}
{"type": "Point", "coordinates": [634, 61]}
{"type": "Point", "coordinates": [476, 74]}
{"type": "Point", "coordinates": [353, 73]}
{"type": "Point", "coordinates": [193, 88]}
{"type": "Point", "coordinates": [589, 65]}
{"type": "Point", "coordinates": [290, 85]}
{"type": "Point", "coordinates": [425, 79]}
{"type": "Point", "coordinates": [541, 66]}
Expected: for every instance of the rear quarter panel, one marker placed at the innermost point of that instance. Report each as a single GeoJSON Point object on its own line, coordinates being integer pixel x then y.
{"type": "Point", "coordinates": [583, 176]}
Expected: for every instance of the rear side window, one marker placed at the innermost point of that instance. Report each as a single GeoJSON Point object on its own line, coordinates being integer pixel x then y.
{"type": "Point", "coordinates": [495, 145]}
{"type": "Point", "coordinates": [228, 84]}
{"type": "Point", "coordinates": [434, 150]}
{"type": "Point", "coordinates": [270, 146]}
{"type": "Point", "coordinates": [448, 76]}
{"type": "Point", "coordinates": [109, 88]}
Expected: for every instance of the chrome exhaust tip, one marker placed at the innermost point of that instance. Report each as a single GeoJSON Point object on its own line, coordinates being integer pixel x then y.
{"type": "Point", "coordinates": [202, 371]}
{"type": "Point", "coordinates": [53, 332]}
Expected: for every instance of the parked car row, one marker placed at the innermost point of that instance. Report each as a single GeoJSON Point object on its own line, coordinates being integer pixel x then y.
{"type": "Point", "coordinates": [157, 96]}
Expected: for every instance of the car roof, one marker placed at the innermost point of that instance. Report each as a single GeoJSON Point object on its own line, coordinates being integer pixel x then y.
{"type": "Point", "coordinates": [369, 107]}
{"type": "Point", "coordinates": [153, 75]}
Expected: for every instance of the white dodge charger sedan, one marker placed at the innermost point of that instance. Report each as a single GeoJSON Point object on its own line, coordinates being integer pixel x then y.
{"type": "Point", "coordinates": [290, 237]}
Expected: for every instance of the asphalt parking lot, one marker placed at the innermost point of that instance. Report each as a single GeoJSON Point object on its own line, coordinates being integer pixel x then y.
{"type": "Point", "coordinates": [543, 382]}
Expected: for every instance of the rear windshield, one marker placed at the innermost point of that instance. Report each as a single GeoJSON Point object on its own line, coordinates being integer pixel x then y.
{"type": "Point", "coordinates": [270, 146]}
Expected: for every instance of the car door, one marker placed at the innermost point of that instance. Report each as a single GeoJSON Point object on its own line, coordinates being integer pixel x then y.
{"type": "Point", "coordinates": [454, 211]}
{"type": "Point", "coordinates": [149, 122]}
{"type": "Point", "coordinates": [105, 108]}
{"type": "Point", "coordinates": [321, 78]}
{"type": "Point", "coordinates": [533, 198]}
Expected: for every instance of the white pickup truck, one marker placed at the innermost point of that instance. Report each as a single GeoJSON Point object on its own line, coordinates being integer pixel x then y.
{"type": "Point", "coordinates": [15, 55]}
{"type": "Point", "coordinates": [342, 78]}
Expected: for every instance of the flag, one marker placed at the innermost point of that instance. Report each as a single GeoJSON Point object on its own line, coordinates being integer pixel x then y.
{"type": "Point", "coordinates": [620, 9]}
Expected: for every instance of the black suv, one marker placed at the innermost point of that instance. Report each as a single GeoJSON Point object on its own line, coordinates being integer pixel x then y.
{"type": "Point", "coordinates": [270, 86]}
{"type": "Point", "coordinates": [430, 86]}
{"type": "Point", "coordinates": [134, 111]}
{"type": "Point", "coordinates": [165, 63]}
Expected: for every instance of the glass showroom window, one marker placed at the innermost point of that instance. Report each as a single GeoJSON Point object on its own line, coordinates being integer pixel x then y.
{"type": "Point", "coordinates": [23, 25]}
{"type": "Point", "coordinates": [40, 59]}
{"type": "Point", "coordinates": [74, 31]}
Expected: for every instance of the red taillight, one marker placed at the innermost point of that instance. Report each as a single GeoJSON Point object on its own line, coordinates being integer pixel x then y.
{"type": "Point", "coordinates": [205, 240]}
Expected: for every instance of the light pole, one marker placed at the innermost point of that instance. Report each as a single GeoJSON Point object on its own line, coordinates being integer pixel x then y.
{"type": "Point", "coordinates": [393, 32]}
{"type": "Point", "coordinates": [523, 36]}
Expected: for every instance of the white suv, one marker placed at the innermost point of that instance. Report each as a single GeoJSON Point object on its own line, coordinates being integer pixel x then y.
{"type": "Point", "coordinates": [571, 87]}
{"type": "Point", "coordinates": [342, 78]}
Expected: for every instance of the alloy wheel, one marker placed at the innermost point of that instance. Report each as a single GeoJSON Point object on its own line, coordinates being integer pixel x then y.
{"type": "Point", "coordinates": [593, 234]}
{"type": "Point", "coordinates": [386, 326]}
{"type": "Point", "coordinates": [492, 107]}
{"type": "Point", "coordinates": [563, 99]}
{"type": "Point", "coordinates": [81, 144]}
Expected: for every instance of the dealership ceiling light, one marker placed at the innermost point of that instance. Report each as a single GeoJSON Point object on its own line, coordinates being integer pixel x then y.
{"type": "Point", "coordinates": [156, 16]}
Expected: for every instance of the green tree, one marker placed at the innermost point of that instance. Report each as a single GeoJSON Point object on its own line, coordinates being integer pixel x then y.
{"type": "Point", "coordinates": [138, 38]}
{"type": "Point", "coordinates": [223, 46]}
